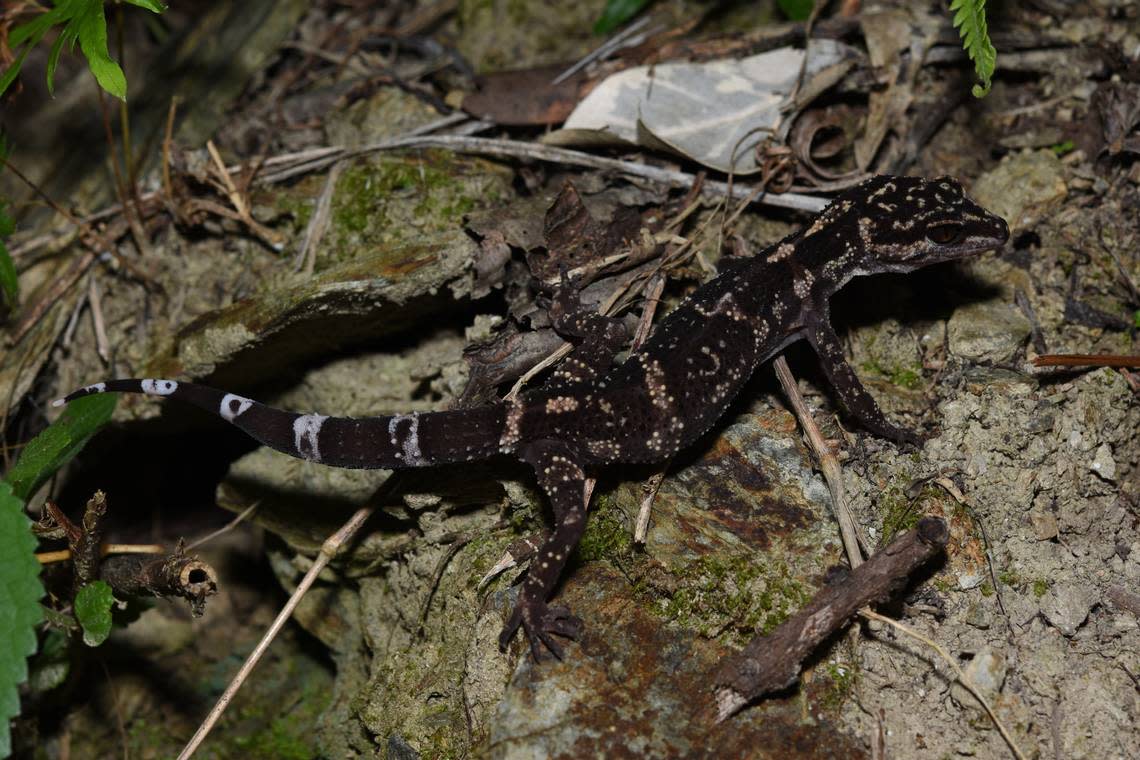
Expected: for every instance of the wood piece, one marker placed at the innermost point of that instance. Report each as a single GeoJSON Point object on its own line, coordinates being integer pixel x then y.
{"type": "Point", "coordinates": [173, 575]}
{"type": "Point", "coordinates": [770, 663]}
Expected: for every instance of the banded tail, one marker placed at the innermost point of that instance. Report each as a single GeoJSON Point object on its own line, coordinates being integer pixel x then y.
{"type": "Point", "coordinates": [398, 442]}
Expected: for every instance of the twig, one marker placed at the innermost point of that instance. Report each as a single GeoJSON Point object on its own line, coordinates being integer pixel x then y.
{"type": "Point", "coordinates": [102, 345]}
{"type": "Point", "coordinates": [650, 488]}
{"type": "Point", "coordinates": [85, 548]}
{"type": "Point", "coordinates": [225, 528]}
{"type": "Point", "coordinates": [539, 152]}
{"type": "Point", "coordinates": [959, 674]}
{"type": "Point", "coordinates": [949, 486]}
{"type": "Point", "coordinates": [289, 165]}
{"type": "Point", "coordinates": [616, 42]}
{"type": "Point", "coordinates": [318, 223]}
{"type": "Point", "coordinates": [171, 575]}
{"type": "Point", "coordinates": [652, 298]}
{"type": "Point", "coordinates": [770, 663]}
{"type": "Point", "coordinates": [1086, 360]}
{"type": "Point", "coordinates": [64, 555]}
{"type": "Point", "coordinates": [327, 552]}
{"type": "Point", "coordinates": [441, 567]}
{"type": "Point", "coordinates": [71, 275]}
{"type": "Point", "coordinates": [238, 202]}
{"type": "Point", "coordinates": [832, 472]}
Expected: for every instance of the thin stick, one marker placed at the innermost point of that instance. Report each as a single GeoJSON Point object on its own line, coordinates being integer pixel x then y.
{"type": "Point", "coordinates": [328, 551]}
{"type": "Point", "coordinates": [307, 257]}
{"type": "Point", "coordinates": [613, 43]}
{"type": "Point", "coordinates": [1086, 360]}
{"type": "Point", "coordinates": [832, 472]}
{"type": "Point", "coordinates": [102, 344]}
{"type": "Point", "coordinates": [959, 674]}
{"type": "Point", "coordinates": [315, 159]}
{"type": "Point", "coordinates": [225, 528]}
{"type": "Point", "coordinates": [518, 149]}
{"type": "Point", "coordinates": [64, 555]}
{"type": "Point", "coordinates": [652, 298]}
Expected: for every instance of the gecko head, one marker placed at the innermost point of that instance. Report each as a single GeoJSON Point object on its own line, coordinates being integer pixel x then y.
{"type": "Point", "coordinates": [908, 222]}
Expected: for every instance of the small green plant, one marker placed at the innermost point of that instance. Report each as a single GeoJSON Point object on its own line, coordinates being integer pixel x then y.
{"type": "Point", "coordinates": [80, 21]}
{"type": "Point", "coordinates": [616, 13]}
{"type": "Point", "coordinates": [93, 605]}
{"type": "Point", "coordinates": [20, 587]}
{"type": "Point", "coordinates": [970, 21]}
{"type": "Point", "coordinates": [20, 592]}
{"type": "Point", "coordinates": [796, 10]}
{"type": "Point", "coordinates": [1062, 148]}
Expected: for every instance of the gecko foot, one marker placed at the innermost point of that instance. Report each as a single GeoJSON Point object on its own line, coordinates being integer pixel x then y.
{"type": "Point", "coordinates": [538, 622]}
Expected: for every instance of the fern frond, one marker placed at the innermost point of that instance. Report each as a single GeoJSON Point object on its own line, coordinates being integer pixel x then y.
{"type": "Point", "coordinates": [970, 21]}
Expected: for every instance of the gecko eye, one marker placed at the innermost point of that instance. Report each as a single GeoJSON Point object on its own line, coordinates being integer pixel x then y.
{"type": "Point", "coordinates": [944, 234]}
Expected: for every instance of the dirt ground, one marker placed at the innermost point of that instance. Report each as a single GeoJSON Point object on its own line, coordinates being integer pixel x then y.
{"type": "Point", "coordinates": [397, 274]}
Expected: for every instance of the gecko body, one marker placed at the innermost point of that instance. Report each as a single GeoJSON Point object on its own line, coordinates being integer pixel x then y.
{"type": "Point", "coordinates": [592, 413]}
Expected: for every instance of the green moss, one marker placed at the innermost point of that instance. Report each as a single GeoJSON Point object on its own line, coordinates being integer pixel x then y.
{"type": "Point", "coordinates": [392, 200]}
{"type": "Point", "coordinates": [736, 594]}
{"type": "Point", "coordinates": [904, 377]}
{"type": "Point", "coordinates": [986, 588]}
{"type": "Point", "coordinates": [1009, 578]}
{"type": "Point", "coordinates": [943, 584]}
{"type": "Point", "coordinates": [896, 511]}
{"type": "Point", "coordinates": [607, 535]}
{"type": "Point", "coordinates": [1040, 586]}
{"type": "Point", "coordinates": [844, 677]}
{"type": "Point", "coordinates": [1062, 148]}
{"type": "Point", "coordinates": [283, 738]}
{"type": "Point", "coordinates": [296, 206]}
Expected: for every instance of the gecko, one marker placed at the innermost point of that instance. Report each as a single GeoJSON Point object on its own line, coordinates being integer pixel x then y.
{"type": "Point", "coordinates": [595, 412]}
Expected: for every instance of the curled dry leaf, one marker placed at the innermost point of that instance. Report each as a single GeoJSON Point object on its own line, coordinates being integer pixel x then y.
{"type": "Point", "coordinates": [715, 112]}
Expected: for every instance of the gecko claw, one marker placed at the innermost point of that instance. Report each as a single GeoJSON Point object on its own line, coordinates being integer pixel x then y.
{"type": "Point", "coordinates": [539, 622]}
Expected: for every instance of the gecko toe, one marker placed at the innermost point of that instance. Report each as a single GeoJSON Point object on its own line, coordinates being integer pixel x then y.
{"type": "Point", "coordinates": [540, 625]}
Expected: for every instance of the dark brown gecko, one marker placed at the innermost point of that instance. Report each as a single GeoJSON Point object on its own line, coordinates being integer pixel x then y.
{"type": "Point", "coordinates": [671, 390]}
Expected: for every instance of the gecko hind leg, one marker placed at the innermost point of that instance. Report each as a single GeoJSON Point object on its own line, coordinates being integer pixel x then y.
{"type": "Point", "coordinates": [564, 483]}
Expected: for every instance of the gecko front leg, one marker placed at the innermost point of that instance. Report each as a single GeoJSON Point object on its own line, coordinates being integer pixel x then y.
{"type": "Point", "coordinates": [852, 395]}
{"type": "Point", "coordinates": [564, 483]}
{"type": "Point", "coordinates": [597, 338]}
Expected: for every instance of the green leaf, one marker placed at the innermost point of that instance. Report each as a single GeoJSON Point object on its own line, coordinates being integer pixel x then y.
{"type": "Point", "coordinates": [20, 611]}
{"type": "Point", "coordinates": [59, 442]}
{"type": "Point", "coordinates": [9, 280]}
{"type": "Point", "coordinates": [13, 71]}
{"type": "Point", "coordinates": [53, 60]}
{"type": "Point", "coordinates": [1136, 319]}
{"type": "Point", "coordinates": [796, 10]}
{"type": "Point", "coordinates": [91, 28]}
{"type": "Point", "coordinates": [93, 611]}
{"type": "Point", "coordinates": [49, 668]}
{"type": "Point", "coordinates": [970, 21]}
{"type": "Point", "coordinates": [151, 5]}
{"type": "Point", "coordinates": [616, 13]}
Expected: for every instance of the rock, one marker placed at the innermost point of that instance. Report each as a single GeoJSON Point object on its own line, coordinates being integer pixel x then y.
{"type": "Point", "coordinates": [1021, 187]}
{"type": "Point", "coordinates": [1067, 606]}
{"type": "Point", "coordinates": [987, 673]}
{"type": "Point", "coordinates": [988, 331]}
{"type": "Point", "coordinates": [1044, 524]}
{"type": "Point", "coordinates": [1103, 464]}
